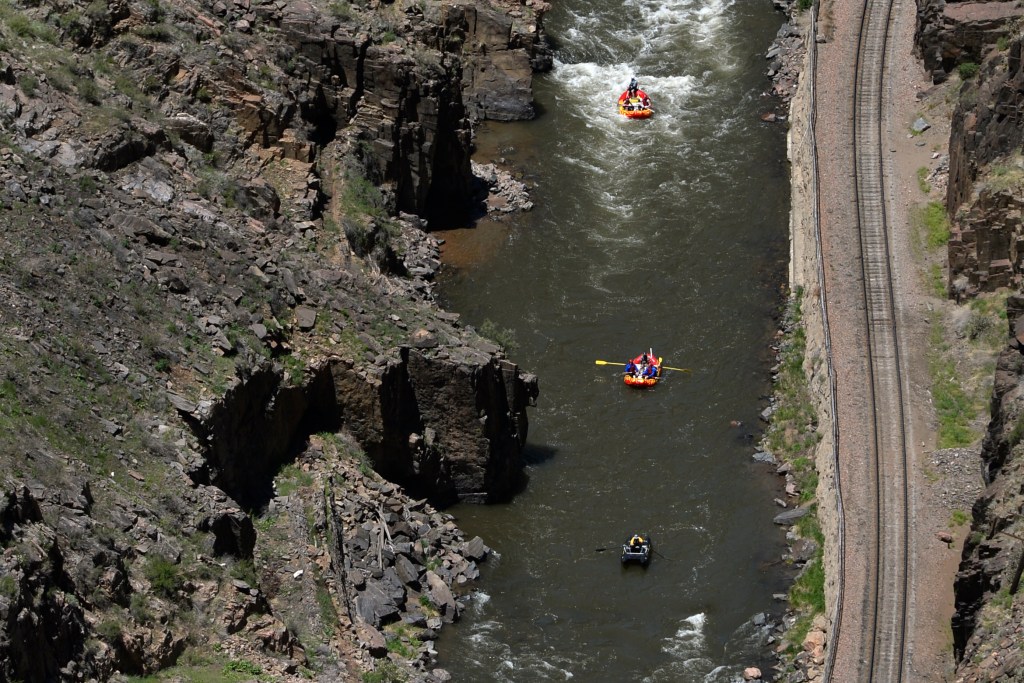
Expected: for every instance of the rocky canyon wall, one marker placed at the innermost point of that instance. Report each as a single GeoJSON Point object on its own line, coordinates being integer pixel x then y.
{"type": "Point", "coordinates": [986, 127]}
{"type": "Point", "coordinates": [445, 429]}
{"type": "Point", "coordinates": [217, 295]}
{"type": "Point", "coordinates": [985, 196]}
{"type": "Point", "coordinates": [986, 622]}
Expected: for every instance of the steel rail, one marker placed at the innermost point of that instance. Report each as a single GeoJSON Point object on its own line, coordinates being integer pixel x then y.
{"type": "Point", "coordinates": [883, 648]}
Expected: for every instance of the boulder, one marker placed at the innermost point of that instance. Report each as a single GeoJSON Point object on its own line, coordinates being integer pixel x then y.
{"type": "Point", "coordinates": [475, 549]}
{"type": "Point", "coordinates": [374, 605]}
{"type": "Point", "coordinates": [790, 517]}
{"type": "Point", "coordinates": [305, 318]}
{"type": "Point", "coordinates": [371, 640]}
{"type": "Point", "coordinates": [233, 532]}
{"type": "Point", "coordinates": [441, 596]}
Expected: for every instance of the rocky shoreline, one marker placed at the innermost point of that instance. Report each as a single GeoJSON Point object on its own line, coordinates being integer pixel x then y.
{"type": "Point", "coordinates": [218, 290]}
{"type": "Point", "coordinates": [972, 43]}
{"type": "Point", "coordinates": [218, 293]}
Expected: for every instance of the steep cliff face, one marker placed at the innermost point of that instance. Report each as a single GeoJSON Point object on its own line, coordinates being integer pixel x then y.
{"type": "Point", "coordinates": [950, 33]}
{"type": "Point", "coordinates": [987, 618]}
{"type": "Point", "coordinates": [985, 196]}
{"type": "Point", "coordinates": [499, 52]}
{"type": "Point", "coordinates": [401, 89]}
{"type": "Point", "coordinates": [217, 295]}
{"type": "Point", "coordinates": [985, 177]}
{"type": "Point", "coordinates": [445, 429]}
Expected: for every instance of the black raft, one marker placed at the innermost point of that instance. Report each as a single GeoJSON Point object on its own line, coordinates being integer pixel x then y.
{"type": "Point", "coordinates": [637, 549]}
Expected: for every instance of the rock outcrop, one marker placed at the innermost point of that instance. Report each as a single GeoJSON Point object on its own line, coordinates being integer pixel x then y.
{"type": "Point", "coordinates": [216, 285]}
{"type": "Point", "coordinates": [986, 230]}
{"type": "Point", "coordinates": [984, 200]}
{"type": "Point", "coordinates": [986, 624]}
{"type": "Point", "coordinates": [952, 33]}
{"type": "Point", "coordinates": [447, 429]}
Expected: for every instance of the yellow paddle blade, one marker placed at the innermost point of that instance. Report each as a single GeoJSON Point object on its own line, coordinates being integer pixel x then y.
{"type": "Point", "coordinates": [607, 362]}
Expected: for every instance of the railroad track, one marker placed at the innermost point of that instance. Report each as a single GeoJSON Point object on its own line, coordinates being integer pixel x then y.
{"type": "Point", "coordinates": [873, 647]}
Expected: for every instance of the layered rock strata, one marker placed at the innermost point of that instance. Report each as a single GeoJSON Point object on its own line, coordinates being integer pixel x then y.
{"type": "Point", "coordinates": [986, 624]}
{"type": "Point", "coordinates": [984, 187]}
{"type": "Point", "coordinates": [214, 262]}
{"type": "Point", "coordinates": [984, 201]}
{"type": "Point", "coordinates": [952, 33]}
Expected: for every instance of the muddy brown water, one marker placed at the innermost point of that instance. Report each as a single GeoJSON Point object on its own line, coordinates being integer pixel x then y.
{"type": "Point", "coordinates": [669, 233]}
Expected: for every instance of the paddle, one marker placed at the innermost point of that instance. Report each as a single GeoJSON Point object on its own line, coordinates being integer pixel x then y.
{"type": "Point", "coordinates": [601, 550]}
{"type": "Point", "coordinates": [663, 367]}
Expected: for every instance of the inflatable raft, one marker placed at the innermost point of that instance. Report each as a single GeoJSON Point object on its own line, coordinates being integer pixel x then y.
{"type": "Point", "coordinates": [636, 107]}
{"type": "Point", "coordinates": [637, 549]}
{"type": "Point", "coordinates": [634, 378]}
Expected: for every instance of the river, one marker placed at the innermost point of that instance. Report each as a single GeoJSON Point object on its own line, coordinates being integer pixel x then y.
{"type": "Point", "coordinates": [669, 233]}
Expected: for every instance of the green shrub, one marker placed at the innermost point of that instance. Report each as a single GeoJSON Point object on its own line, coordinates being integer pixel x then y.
{"type": "Point", "coordinates": [109, 630]}
{"type": "Point", "coordinates": [153, 12]}
{"type": "Point", "coordinates": [28, 84]}
{"type": "Point", "coordinates": [505, 337]}
{"type": "Point", "coordinates": [967, 70]}
{"type": "Point", "coordinates": [243, 666]}
{"type": "Point", "coordinates": [139, 608]}
{"type": "Point", "coordinates": [244, 570]}
{"type": "Point", "coordinates": [328, 613]}
{"type": "Point", "coordinates": [23, 27]}
{"type": "Point", "coordinates": [160, 33]}
{"type": "Point", "coordinates": [87, 184]}
{"type": "Point", "coordinates": [807, 596]}
{"type": "Point", "coordinates": [361, 198]}
{"type": "Point", "coordinates": [291, 477]}
{"type": "Point", "coordinates": [98, 10]}
{"type": "Point", "coordinates": [922, 180]}
{"type": "Point", "coordinates": [89, 91]}
{"type": "Point", "coordinates": [340, 10]}
{"type": "Point", "coordinates": [953, 407]}
{"type": "Point", "coordinates": [933, 220]}
{"type": "Point", "coordinates": [75, 27]}
{"type": "Point", "coordinates": [977, 325]}
{"type": "Point", "coordinates": [386, 672]}
{"type": "Point", "coordinates": [163, 576]}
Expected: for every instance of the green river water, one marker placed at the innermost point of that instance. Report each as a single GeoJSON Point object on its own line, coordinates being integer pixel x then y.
{"type": "Point", "coordinates": [669, 233]}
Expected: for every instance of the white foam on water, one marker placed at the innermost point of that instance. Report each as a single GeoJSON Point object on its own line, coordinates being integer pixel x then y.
{"type": "Point", "coordinates": [687, 649]}
{"type": "Point", "coordinates": [590, 91]}
{"type": "Point", "coordinates": [615, 145]}
{"type": "Point", "coordinates": [688, 639]}
{"type": "Point", "coordinates": [589, 74]}
{"type": "Point", "coordinates": [703, 19]}
{"type": "Point", "coordinates": [478, 601]}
